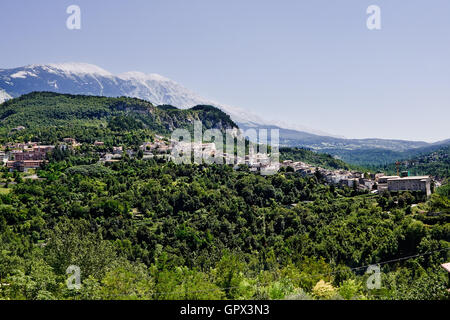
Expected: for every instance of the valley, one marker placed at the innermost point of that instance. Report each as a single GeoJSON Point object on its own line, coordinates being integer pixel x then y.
{"type": "Point", "coordinates": [106, 198]}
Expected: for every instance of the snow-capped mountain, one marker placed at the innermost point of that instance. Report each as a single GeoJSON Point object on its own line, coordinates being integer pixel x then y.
{"type": "Point", "coordinates": [83, 78]}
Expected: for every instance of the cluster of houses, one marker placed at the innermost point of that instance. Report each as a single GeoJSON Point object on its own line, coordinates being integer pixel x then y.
{"type": "Point", "coordinates": [31, 155]}
{"type": "Point", "coordinates": [158, 146]}
{"type": "Point", "coordinates": [24, 156]}
{"type": "Point", "coordinates": [70, 143]}
{"type": "Point", "coordinates": [164, 148]}
{"type": "Point", "coordinates": [115, 156]}
{"type": "Point", "coordinates": [374, 182]}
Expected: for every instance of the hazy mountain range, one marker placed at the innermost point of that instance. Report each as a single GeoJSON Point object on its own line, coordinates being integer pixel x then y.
{"type": "Point", "coordinates": [82, 78]}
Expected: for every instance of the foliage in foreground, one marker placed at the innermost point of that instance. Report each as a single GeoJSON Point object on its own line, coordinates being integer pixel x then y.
{"type": "Point", "coordinates": [146, 230]}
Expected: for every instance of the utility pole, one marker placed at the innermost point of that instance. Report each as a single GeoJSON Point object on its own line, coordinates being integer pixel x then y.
{"type": "Point", "coordinates": [397, 164]}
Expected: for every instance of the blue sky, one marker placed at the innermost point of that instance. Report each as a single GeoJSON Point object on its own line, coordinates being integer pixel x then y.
{"type": "Point", "coordinates": [311, 62]}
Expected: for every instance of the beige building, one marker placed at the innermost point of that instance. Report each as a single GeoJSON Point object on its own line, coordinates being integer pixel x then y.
{"type": "Point", "coordinates": [418, 183]}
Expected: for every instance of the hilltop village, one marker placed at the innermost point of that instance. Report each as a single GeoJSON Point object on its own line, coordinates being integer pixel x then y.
{"type": "Point", "coordinates": [373, 182]}
{"type": "Point", "coordinates": [31, 155]}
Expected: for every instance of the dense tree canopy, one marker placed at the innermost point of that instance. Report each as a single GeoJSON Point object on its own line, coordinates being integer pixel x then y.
{"type": "Point", "coordinates": [151, 229]}
{"type": "Point", "coordinates": [142, 229]}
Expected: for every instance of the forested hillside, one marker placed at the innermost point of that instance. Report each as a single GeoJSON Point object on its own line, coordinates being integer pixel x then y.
{"type": "Point", "coordinates": [151, 229]}
{"type": "Point", "coordinates": [49, 117]}
{"type": "Point", "coordinates": [382, 157]}
{"type": "Point", "coordinates": [313, 158]}
{"type": "Point", "coordinates": [436, 163]}
{"type": "Point", "coordinates": [145, 230]}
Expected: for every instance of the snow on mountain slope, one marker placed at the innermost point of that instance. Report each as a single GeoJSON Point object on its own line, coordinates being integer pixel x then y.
{"type": "Point", "coordinates": [159, 90]}
{"type": "Point", "coordinates": [83, 78]}
{"type": "Point", "coordinates": [23, 74]}
{"type": "Point", "coordinates": [4, 96]}
{"type": "Point", "coordinates": [75, 68]}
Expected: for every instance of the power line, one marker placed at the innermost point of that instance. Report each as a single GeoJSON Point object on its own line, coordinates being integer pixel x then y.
{"type": "Point", "coordinates": [391, 261]}
{"type": "Point", "coordinates": [320, 274]}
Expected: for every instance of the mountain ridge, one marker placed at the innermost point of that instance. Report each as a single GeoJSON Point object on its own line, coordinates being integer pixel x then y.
{"type": "Point", "coordinates": [49, 117]}
{"type": "Point", "coordinates": [87, 79]}
{"type": "Point", "coordinates": [153, 87]}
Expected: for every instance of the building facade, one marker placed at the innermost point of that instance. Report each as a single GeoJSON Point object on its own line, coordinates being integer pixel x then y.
{"type": "Point", "coordinates": [418, 183]}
